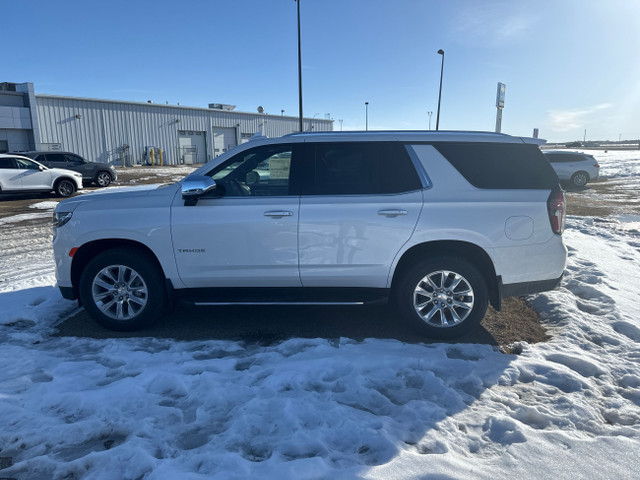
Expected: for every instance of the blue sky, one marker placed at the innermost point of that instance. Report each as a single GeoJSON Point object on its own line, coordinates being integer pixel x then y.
{"type": "Point", "coordinates": [568, 65]}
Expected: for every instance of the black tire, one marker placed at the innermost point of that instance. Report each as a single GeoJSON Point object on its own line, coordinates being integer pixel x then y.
{"type": "Point", "coordinates": [579, 179]}
{"type": "Point", "coordinates": [103, 179]}
{"type": "Point", "coordinates": [442, 312]}
{"type": "Point", "coordinates": [135, 296]}
{"type": "Point", "coordinates": [65, 188]}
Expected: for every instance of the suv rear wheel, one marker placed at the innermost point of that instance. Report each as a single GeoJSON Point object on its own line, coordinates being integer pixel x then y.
{"type": "Point", "coordinates": [579, 179]}
{"type": "Point", "coordinates": [442, 297]}
{"type": "Point", "coordinates": [122, 289]}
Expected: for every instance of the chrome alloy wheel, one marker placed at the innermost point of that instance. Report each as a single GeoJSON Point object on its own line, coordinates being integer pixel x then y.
{"type": "Point", "coordinates": [119, 292]}
{"type": "Point", "coordinates": [443, 299]}
{"type": "Point", "coordinates": [104, 179]}
{"type": "Point", "coordinates": [579, 179]}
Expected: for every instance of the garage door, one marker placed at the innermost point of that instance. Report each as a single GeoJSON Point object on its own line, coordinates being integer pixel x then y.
{"type": "Point", "coordinates": [223, 139]}
{"type": "Point", "coordinates": [192, 147]}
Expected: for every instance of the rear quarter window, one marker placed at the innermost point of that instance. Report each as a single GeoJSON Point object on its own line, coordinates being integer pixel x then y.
{"type": "Point", "coordinates": [500, 165]}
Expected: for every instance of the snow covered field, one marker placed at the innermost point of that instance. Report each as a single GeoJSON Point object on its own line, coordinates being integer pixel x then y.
{"type": "Point", "coordinates": [329, 408]}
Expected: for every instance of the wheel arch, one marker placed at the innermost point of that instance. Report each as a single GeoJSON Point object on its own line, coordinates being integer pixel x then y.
{"type": "Point", "coordinates": [89, 250]}
{"type": "Point", "coordinates": [453, 248]}
{"type": "Point", "coordinates": [64, 177]}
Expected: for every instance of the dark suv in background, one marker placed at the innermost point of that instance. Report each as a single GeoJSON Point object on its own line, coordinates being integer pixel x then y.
{"type": "Point", "coordinates": [102, 174]}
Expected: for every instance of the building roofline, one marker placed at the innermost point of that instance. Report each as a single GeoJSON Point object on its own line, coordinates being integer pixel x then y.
{"type": "Point", "coordinates": [183, 107]}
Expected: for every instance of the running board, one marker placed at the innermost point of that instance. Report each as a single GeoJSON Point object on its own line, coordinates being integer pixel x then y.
{"type": "Point", "coordinates": [282, 296]}
{"type": "Point", "coordinates": [277, 303]}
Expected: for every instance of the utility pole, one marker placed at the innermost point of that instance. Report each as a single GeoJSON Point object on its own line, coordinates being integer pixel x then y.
{"type": "Point", "coordinates": [299, 69]}
{"type": "Point", "coordinates": [440, 52]}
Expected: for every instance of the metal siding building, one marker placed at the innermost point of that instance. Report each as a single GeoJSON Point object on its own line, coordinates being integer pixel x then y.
{"type": "Point", "coordinates": [117, 131]}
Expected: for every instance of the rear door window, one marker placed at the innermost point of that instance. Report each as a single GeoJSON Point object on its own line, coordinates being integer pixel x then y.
{"type": "Point", "coordinates": [6, 163]}
{"type": "Point", "coordinates": [74, 159]}
{"type": "Point", "coordinates": [360, 168]}
{"type": "Point", "coordinates": [500, 165]}
{"type": "Point", "coordinates": [563, 158]}
{"type": "Point", "coordinates": [57, 159]}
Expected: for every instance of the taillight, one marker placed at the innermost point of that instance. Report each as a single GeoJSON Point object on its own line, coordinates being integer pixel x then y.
{"type": "Point", "coordinates": [557, 208]}
{"type": "Point", "coordinates": [597, 165]}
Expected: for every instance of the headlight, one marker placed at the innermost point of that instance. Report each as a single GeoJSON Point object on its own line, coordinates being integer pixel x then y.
{"type": "Point", "coordinates": [60, 218]}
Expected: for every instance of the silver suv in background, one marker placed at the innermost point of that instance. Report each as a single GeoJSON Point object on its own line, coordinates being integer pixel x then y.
{"type": "Point", "coordinates": [439, 223]}
{"type": "Point", "coordinates": [576, 168]}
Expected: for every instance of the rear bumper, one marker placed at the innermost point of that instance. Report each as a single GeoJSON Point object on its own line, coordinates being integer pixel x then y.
{"type": "Point", "coordinates": [68, 293]}
{"type": "Point", "coordinates": [527, 288]}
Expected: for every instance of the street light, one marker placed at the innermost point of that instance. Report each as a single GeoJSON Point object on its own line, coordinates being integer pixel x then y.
{"type": "Point", "coordinates": [430, 113]}
{"type": "Point", "coordinates": [299, 69]}
{"type": "Point", "coordinates": [440, 52]}
{"type": "Point", "coordinates": [366, 116]}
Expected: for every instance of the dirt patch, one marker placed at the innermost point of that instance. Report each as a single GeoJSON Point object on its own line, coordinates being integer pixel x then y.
{"type": "Point", "coordinates": [603, 198]}
{"type": "Point", "coordinates": [516, 322]}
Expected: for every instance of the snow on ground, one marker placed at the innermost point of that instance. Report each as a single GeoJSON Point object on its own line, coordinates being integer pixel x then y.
{"type": "Point", "coordinates": [328, 408]}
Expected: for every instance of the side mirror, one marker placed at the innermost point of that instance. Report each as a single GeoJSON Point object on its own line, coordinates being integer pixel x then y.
{"type": "Point", "coordinates": [41, 168]}
{"type": "Point", "coordinates": [195, 187]}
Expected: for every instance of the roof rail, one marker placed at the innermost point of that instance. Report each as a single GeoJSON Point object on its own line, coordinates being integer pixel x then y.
{"type": "Point", "coordinates": [393, 132]}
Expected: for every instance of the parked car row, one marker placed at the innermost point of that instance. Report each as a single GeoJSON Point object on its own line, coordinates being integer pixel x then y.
{"type": "Point", "coordinates": [61, 172]}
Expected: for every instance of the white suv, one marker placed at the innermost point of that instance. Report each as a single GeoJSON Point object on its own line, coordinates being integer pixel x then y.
{"type": "Point", "coordinates": [577, 168]}
{"type": "Point", "coordinates": [20, 174]}
{"type": "Point", "coordinates": [440, 222]}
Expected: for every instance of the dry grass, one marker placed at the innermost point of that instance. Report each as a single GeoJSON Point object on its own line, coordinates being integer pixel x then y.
{"type": "Point", "coordinates": [516, 322]}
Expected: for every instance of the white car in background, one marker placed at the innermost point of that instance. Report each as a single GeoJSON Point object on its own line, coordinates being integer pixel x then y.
{"type": "Point", "coordinates": [574, 167]}
{"type": "Point", "coordinates": [20, 174]}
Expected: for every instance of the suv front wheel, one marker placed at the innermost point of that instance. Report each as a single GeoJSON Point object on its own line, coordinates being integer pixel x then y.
{"type": "Point", "coordinates": [103, 179]}
{"type": "Point", "coordinates": [65, 188]}
{"type": "Point", "coordinates": [122, 289]}
{"type": "Point", "coordinates": [442, 297]}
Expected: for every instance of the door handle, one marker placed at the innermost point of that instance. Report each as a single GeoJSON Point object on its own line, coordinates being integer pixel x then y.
{"type": "Point", "coordinates": [392, 213]}
{"type": "Point", "coordinates": [278, 213]}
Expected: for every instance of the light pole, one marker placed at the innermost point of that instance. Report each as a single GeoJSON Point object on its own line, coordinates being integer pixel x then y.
{"type": "Point", "coordinates": [440, 52]}
{"type": "Point", "coordinates": [299, 69]}
{"type": "Point", "coordinates": [366, 116]}
{"type": "Point", "coordinates": [430, 113]}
